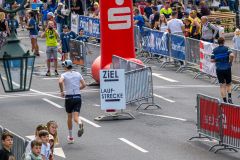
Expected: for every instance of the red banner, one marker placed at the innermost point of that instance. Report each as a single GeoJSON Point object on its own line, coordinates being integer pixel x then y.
{"type": "Point", "coordinates": [116, 25]}
{"type": "Point", "coordinates": [209, 115]}
{"type": "Point", "coordinates": [231, 120]}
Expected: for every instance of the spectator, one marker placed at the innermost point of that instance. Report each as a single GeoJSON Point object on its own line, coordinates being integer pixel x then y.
{"type": "Point", "coordinates": [65, 39]}
{"type": "Point", "coordinates": [196, 25]}
{"type": "Point", "coordinates": [76, 7]}
{"type": "Point", "coordinates": [13, 24]}
{"type": "Point", "coordinates": [59, 18]}
{"type": "Point", "coordinates": [21, 15]}
{"type": "Point", "coordinates": [51, 142]}
{"type": "Point", "coordinates": [236, 43]}
{"type": "Point", "coordinates": [159, 5]}
{"type": "Point", "coordinates": [96, 10]}
{"type": "Point", "coordinates": [148, 9]}
{"type": "Point", "coordinates": [52, 42]}
{"type": "Point", "coordinates": [7, 143]}
{"type": "Point", "coordinates": [187, 30]}
{"type": "Point", "coordinates": [44, 13]}
{"type": "Point", "coordinates": [45, 149]}
{"type": "Point", "coordinates": [209, 31]}
{"type": "Point", "coordinates": [52, 129]}
{"type": "Point", "coordinates": [156, 17]}
{"type": "Point", "coordinates": [33, 32]}
{"type": "Point", "coordinates": [163, 23]}
{"type": "Point", "coordinates": [223, 58]}
{"type": "Point", "coordinates": [175, 26]}
{"type": "Point", "coordinates": [81, 36]}
{"type": "Point", "coordinates": [50, 17]}
{"type": "Point", "coordinates": [73, 82]}
{"type": "Point", "coordinates": [232, 5]}
{"type": "Point", "coordinates": [35, 153]}
{"type": "Point", "coordinates": [205, 11]}
{"type": "Point", "coordinates": [220, 28]}
{"type": "Point", "coordinates": [188, 9]}
{"type": "Point", "coordinates": [166, 10]}
{"type": "Point", "coordinates": [138, 20]}
{"type": "Point", "coordinates": [4, 25]}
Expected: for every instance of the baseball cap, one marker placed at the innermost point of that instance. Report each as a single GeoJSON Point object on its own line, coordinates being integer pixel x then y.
{"type": "Point", "coordinates": [65, 27]}
{"type": "Point", "coordinates": [60, 4]}
{"type": "Point", "coordinates": [67, 63]}
{"type": "Point", "coordinates": [50, 14]}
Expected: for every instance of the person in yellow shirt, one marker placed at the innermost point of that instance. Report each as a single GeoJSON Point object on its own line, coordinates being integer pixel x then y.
{"type": "Point", "coordinates": [52, 46]}
{"type": "Point", "coordinates": [166, 10]}
{"type": "Point", "coordinates": [195, 29]}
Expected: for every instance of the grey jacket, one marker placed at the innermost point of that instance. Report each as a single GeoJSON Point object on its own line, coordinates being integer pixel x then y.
{"type": "Point", "coordinates": [207, 31]}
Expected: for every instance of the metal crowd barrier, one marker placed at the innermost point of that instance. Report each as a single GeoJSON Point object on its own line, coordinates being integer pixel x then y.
{"type": "Point", "coordinates": [19, 144]}
{"type": "Point", "coordinates": [219, 121]}
{"type": "Point", "coordinates": [138, 82]}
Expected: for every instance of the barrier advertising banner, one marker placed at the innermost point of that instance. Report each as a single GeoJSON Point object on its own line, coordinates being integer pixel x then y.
{"type": "Point", "coordinates": [230, 120]}
{"type": "Point", "coordinates": [74, 22]}
{"type": "Point", "coordinates": [76, 52]}
{"type": "Point", "coordinates": [206, 66]}
{"type": "Point", "coordinates": [178, 47]}
{"type": "Point", "coordinates": [91, 26]}
{"type": "Point", "coordinates": [116, 25]}
{"type": "Point", "coordinates": [209, 116]}
{"type": "Point", "coordinates": [156, 42]}
{"type": "Point", "coordinates": [112, 89]}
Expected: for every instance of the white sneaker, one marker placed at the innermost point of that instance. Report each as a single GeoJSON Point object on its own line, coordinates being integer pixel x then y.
{"type": "Point", "coordinates": [70, 140]}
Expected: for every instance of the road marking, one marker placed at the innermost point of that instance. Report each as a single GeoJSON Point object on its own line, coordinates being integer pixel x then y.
{"type": "Point", "coordinates": [97, 105]}
{"type": "Point", "coordinates": [41, 52]}
{"type": "Point", "coordinates": [51, 78]}
{"type": "Point", "coordinates": [57, 151]}
{"type": "Point", "coordinates": [164, 78]}
{"type": "Point", "coordinates": [164, 116]}
{"type": "Point", "coordinates": [89, 122]}
{"type": "Point", "coordinates": [166, 99]}
{"type": "Point", "coordinates": [133, 145]}
{"type": "Point", "coordinates": [50, 95]}
{"type": "Point", "coordinates": [186, 86]}
{"type": "Point", "coordinates": [52, 103]}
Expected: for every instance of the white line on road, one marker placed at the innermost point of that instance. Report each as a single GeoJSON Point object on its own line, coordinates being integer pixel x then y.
{"type": "Point", "coordinates": [166, 99]}
{"type": "Point", "coordinates": [185, 86]}
{"type": "Point", "coordinates": [133, 145]}
{"type": "Point", "coordinates": [164, 116]}
{"type": "Point", "coordinates": [52, 103]}
{"type": "Point", "coordinates": [89, 122]}
{"type": "Point", "coordinates": [164, 78]}
{"type": "Point", "coordinates": [51, 78]}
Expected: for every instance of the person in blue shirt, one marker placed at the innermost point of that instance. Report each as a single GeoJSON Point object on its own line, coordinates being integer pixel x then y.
{"type": "Point", "coordinates": [81, 36]}
{"type": "Point", "coordinates": [223, 57]}
{"type": "Point", "coordinates": [59, 18]}
{"type": "Point", "coordinates": [138, 20]}
{"type": "Point", "coordinates": [44, 13]}
{"type": "Point", "coordinates": [33, 32]}
{"type": "Point", "coordinates": [65, 39]}
{"type": "Point", "coordinates": [72, 34]}
{"type": "Point", "coordinates": [13, 23]}
{"type": "Point", "coordinates": [148, 8]}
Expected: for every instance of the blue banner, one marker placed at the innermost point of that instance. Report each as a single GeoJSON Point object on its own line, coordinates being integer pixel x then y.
{"type": "Point", "coordinates": [91, 26]}
{"type": "Point", "coordinates": [156, 42]}
{"type": "Point", "coordinates": [178, 47]}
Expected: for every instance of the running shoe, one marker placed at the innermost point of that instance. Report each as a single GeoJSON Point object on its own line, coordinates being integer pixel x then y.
{"type": "Point", "coordinates": [81, 130]}
{"type": "Point", "coordinates": [56, 73]}
{"type": "Point", "coordinates": [230, 100]}
{"type": "Point", "coordinates": [70, 140]}
{"type": "Point", "coordinates": [48, 74]}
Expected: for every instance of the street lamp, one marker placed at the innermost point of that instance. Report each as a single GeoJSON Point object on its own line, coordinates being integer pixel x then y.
{"type": "Point", "coordinates": [16, 64]}
{"type": "Point", "coordinates": [16, 72]}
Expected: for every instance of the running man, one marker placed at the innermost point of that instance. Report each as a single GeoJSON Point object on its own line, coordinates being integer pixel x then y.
{"type": "Point", "coordinates": [72, 82]}
{"type": "Point", "coordinates": [223, 58]}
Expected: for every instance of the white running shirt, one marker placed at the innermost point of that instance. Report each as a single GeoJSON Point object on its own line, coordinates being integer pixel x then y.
{"type": "Point", "coordinates": [72, 82]}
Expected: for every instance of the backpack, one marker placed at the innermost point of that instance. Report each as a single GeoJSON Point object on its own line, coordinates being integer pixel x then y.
{"type": "Point", "coordinates": [217, 35]}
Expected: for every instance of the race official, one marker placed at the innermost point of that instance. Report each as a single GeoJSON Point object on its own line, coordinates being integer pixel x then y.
{"type": "Point", "coordinates": [223, 58]}
{"type": "Point", "coordinates": [72, 82]}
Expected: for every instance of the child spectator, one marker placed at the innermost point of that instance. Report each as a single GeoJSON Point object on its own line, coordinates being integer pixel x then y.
{"type": "Point", "coordinates": [7, 143]}
{"type": "Point", "coordinates": [236, 43]}
{"type": "Point", "coordinates": [52, 129]}
{"type": "Point", "coordinates": [163, 23]}
{"type": "Point", "coordinates": [35, 153]}
{"type": "Point", "coordinates": [51, 142]}
{"type": "Point", "coordinates": [81, 36]}
{"type": "Point", "coordinates": [59, 18]}
{"type": "Point", "coordinates": [45, 150]}
{"type": "Point", "coordinates": [44, 13]}
{"type": "Point", "coordinates": [13, 22]}
{"type": "Point", "coordinates": [220, 28]}
{"type": "Point", "coordinates": [65, 39]}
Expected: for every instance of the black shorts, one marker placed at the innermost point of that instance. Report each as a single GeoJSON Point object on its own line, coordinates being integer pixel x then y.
{"type": "Point", "coordinates": [73, 103]}
{"type": "Point", "coordinates": [224, 76]}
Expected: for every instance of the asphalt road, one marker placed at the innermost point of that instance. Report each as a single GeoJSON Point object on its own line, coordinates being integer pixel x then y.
{"type": "Point", "coordinates": [154, 134]}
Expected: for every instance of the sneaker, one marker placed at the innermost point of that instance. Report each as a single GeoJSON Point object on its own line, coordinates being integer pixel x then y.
{"type": "Point", "coordinates": [70, 140]}
{"type": "Point", "coordinates": [80, 131]}
{"type": "Point", "coordinates": [230, 101]}
{"type": "Point", "coordinates": [56, 73]}
{"type": "Point", "coordinates": [48, 74]}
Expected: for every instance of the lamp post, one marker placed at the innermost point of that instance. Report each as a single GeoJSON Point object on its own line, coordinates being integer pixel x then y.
{"type": "Point", "coordinates": [16, 64]}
